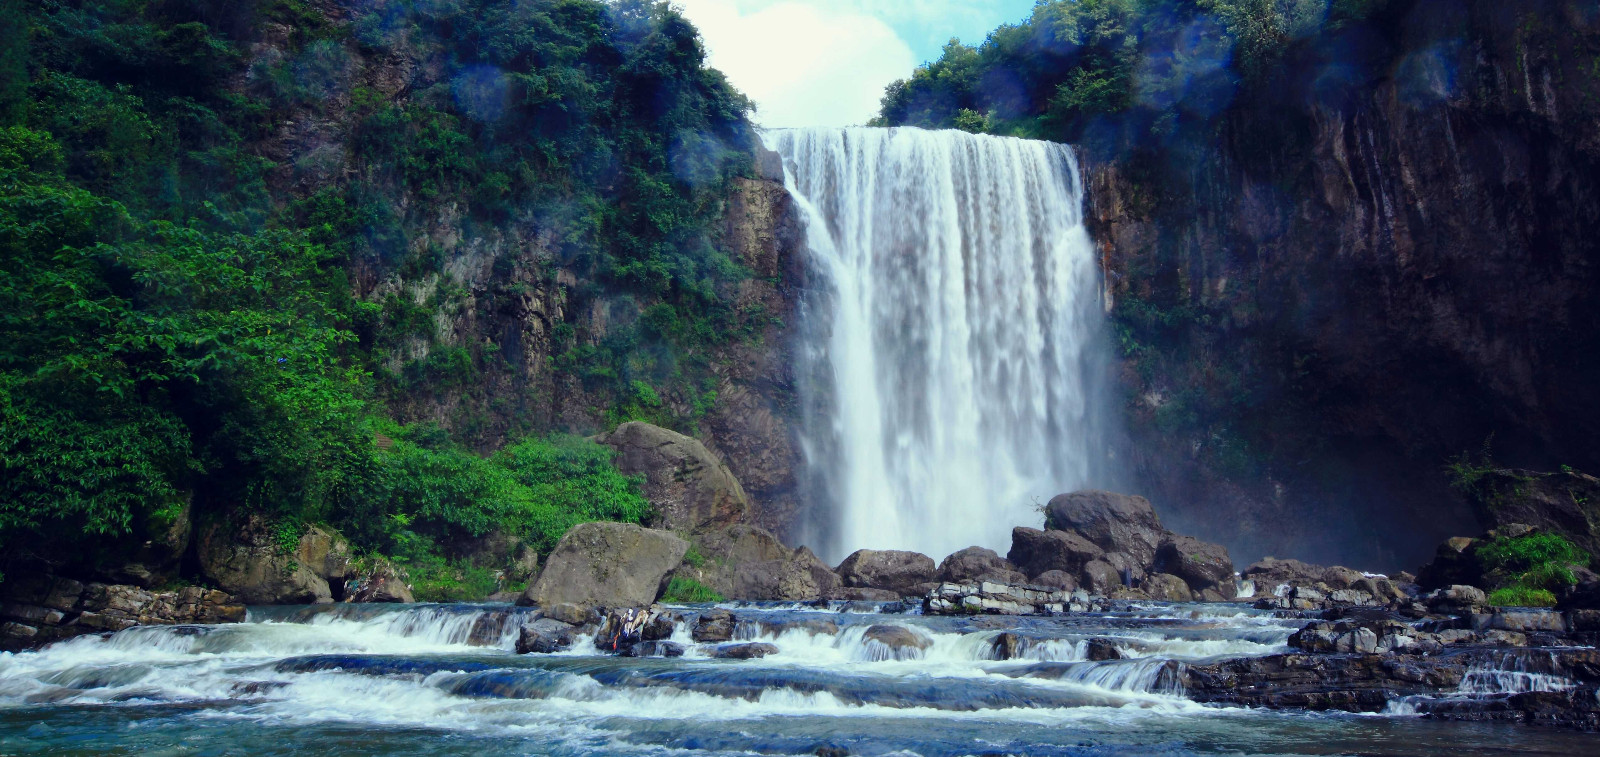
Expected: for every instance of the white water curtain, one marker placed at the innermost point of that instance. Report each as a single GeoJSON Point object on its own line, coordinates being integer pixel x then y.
{"type": "Point", "coordinates": [954, 307]}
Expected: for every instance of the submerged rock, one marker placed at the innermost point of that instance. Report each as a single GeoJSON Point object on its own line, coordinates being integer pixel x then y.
{"type": "Point", "coordinates": [544, 636]}
{"type": "Point", "coordinates": [653, 649]}
{"type": "Point", "coordinates": [713, 626]}
{"type": "Point", "coordinates": [898, 642]}
{"type": "Point", "coordinates": [890, 570]}
{"type": "Point", "coordinates": [746, 651]}
{"type": "Point", "coordinates": [1100, 650]}
{"type": "Point", "coordinates": [607, 564]}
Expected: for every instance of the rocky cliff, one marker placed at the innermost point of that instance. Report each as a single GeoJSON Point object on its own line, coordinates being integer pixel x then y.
{"type": "Point", "coordinates": [1384, 255]}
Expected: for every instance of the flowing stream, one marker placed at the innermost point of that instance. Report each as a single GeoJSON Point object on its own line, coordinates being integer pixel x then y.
{"type": "Point", "coordinates": [442, 680]}
{"type": "Point", "coordinates": [951, 335]}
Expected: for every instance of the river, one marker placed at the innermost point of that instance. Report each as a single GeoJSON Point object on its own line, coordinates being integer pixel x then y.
{"type": "Point", "coordinates": [444, 680]}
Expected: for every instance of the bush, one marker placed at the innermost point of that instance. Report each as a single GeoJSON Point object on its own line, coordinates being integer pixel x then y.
{"type": "Point", "coordinates": [1544, 553]}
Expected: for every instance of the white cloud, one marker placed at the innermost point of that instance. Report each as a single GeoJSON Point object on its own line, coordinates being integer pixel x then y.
{"type": "Point", "coordinates": [804, 64]}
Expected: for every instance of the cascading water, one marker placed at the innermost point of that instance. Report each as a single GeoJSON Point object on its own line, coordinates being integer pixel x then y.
{"type": "Point", "coordinates": [953, 335]}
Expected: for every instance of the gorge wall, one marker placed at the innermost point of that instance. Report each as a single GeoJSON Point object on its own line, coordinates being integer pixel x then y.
{"type": "Point", "coordinates": [1385, 257]}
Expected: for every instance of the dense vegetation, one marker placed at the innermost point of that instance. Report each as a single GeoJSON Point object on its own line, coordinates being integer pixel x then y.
{"type": "Point", "coordinates": [184, 327]}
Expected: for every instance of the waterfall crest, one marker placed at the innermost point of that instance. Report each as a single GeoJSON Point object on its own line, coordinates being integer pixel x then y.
{"type": "Point", "coordinates": [950, 335]}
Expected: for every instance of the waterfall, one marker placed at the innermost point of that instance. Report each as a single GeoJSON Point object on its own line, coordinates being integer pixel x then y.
{"type": "Point", "coordinates": [950, 335]}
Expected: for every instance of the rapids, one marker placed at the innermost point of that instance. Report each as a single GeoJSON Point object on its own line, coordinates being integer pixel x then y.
{"type": "Point", "coordinates": [443, 679]}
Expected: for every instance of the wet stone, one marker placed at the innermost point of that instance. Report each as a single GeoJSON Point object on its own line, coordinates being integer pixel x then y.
{"type": "Point", "coordinates": [747, 651]}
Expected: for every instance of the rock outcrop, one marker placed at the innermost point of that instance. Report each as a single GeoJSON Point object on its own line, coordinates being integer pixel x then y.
{"type": "Point", "coordinates": [904, 573]}
{"type": "Point", "coordinates": [688, 487]}
{"type": "Point", "coordinates": [37, 608]}
{"type": "Point", "coordinates": [247, 558]}
{"type": "Point", "coordinates": [607, 565]}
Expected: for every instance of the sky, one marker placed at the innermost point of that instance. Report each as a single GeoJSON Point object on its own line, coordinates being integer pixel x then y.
{"type": "Point", "coordinates": [826, 62]}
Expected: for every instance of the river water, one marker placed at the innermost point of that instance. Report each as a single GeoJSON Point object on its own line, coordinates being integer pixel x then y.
{"type": "Point", "coordinates": [444, 680]}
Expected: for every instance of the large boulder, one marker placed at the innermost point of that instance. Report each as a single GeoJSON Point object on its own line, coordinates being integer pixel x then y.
{"type": "Point", "coordinates": [607, 565]}
{"type": "Point", "coordinates": [1167, 587]}
{"type": "Point", "coordinates": [1035, 552]}
{"type": "Point", "coordinates": [689, 489]}
{"type": "Point", "coordinates": [247, 558]}
{"type": "Point", "coordinates": [798, 578]}
{"type": "Point", "coordinates": [1114, 522]}
{"type": "Point", "coordinates": [975, 564]}
{"type": "Point", "coordinates": [748, 562]}
{"type": "Point", "coordinates": [1202, 565]}
{"type": "Point", "coordinates": [888, 569]}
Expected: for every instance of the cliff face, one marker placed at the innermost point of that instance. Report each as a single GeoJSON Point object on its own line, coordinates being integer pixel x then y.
{"type": "Point", "coordinates": [507, 327]}
{"type": "Point", "coordinates": [1352, 284]}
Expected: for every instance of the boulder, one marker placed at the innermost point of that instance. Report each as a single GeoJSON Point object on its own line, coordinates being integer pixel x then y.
{"type": "Point", "coordinates": [713, 626]}
{"type": "Point", "coordinates": [1455, 562]}
{"type": "Point", "coordinates": [895, 643]}
{"type": "Point", "coordinates": [544, 636]}
{"type": "Point", "coordinates": [889, 570]}
{"type": "Point", "coordinates": [246, 558]}
{"type": "Point", "coordinates": [747, 562]}
{"type": "Point", "coordinates": [1268, 572]}
{"type": "Point", "coordinates": [1167, 587]}
{"type": "Point", "coordinates": [381, 584]}
{"type": "Point", "coordinates": [689, 489]}
{"type": "Point", "coordinates": [1100, 650]}
{"type": "Point", "coordinates": [1456, 599]}
{"type": "Point", "coordinates": [1056, 579]}
{"type": "Point", "coordinates": [975, 564]}
{"type": "Point", "coordinates": [1114, 522]}
{"type": "Point", "coordinates": [573, 614]}
{"type": "Point", "coordinates": [749, 651]}
{"type": "Point", "coordinates": [607, 564]}
{"type": "Point", "coordinates": [1200, 564]}
{"type": "Point", "coordinates": [1100, 578]}
{"type": "Point", "coordinates": [1034, 551]}
{"type": "Point", "coordinates": [1340, 577]}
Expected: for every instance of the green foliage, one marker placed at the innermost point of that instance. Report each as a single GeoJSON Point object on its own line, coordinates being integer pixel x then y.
{"type": "Point", "coordinates": [1521, 596]}
{"type": "Point", "coordinates": [685, 590]}
{"type": "Point", "coordinates": [535, 490]}
{"type": "Point", "coordinates": [1542, 552]}
{"type": "Point", "coordinates": [173, 333]}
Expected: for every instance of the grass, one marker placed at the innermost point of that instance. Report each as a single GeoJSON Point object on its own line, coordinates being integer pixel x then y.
{"type": "Point", "coordinates": [685, 590]}
{"type": "Point", "coordinates": [1522, 596]}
